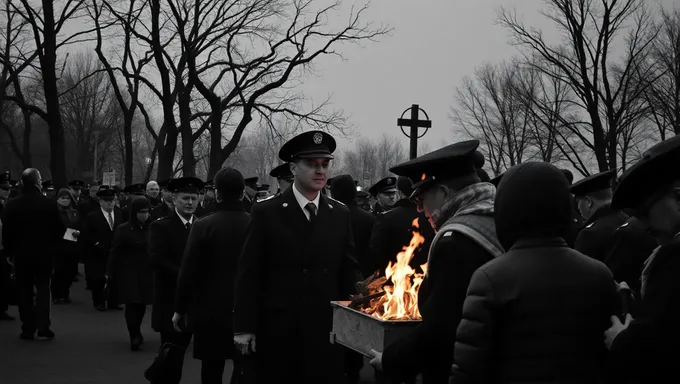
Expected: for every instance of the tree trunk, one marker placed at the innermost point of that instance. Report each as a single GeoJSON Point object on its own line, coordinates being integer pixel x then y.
{"type": "Point", "coordinates": [127, 133]}
{"type": "Point", "coordinates": [215, 139]}
{"type": "Point", "coordinates": [48, 64]}
{"type": "Point", "coordinates": [188, 159]}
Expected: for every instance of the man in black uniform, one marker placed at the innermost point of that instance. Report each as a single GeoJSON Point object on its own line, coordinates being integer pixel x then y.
{"type": "Point", "coordinates": [98, 230]}
{"type": "Point", "coordinates": [207, 203]}
{"type": "Point", "coordinates": [167, 240]}
{"type": "Point", "coordinates": [344, 190]}
{"type": "Point", "coordinates": [284, 177]}
{"type": "Point", "coordinates": [251, 191]}
{"type": "Point", "coordinates": [577, 219]}
{"type": "Point", "coordinates": [593, 195]}
{"type": "Point", "coordinates": [461, 210]}
{"type": "Point", "coordinates": [642, 350]}
{"type": "Point", "coordinates": [394, 231]}
{"type": "Point", "coordinates": [298, 256]}
{"type": "Point", "coordinates": [168, 206]}
{"type": "Point", "coordinates": [205, 286]}
{"type": "Point", "coordinates": [385, 193]}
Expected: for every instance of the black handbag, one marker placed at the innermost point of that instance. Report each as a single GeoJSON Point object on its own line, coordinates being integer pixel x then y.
{"type": "Point", "coordinates": [166, 366]}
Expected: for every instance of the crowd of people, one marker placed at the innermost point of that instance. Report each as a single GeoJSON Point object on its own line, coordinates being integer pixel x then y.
{"type": "Point", "coordinates": [530, 277]}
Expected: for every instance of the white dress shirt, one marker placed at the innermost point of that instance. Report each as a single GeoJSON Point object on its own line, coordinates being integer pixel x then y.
{"type": "Point", "coordinates": [106, 216]}
{"type": "Point", "coordinates": [185, 221]}
{"type": "Point", "coordinates": [302, 201]}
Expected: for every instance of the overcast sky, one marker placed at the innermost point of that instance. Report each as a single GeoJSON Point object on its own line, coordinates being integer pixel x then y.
{"type": "Point", "coordinates": [434, 45]}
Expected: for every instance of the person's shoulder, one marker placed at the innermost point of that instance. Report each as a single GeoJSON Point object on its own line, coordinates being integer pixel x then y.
{"type": "Point", "coordinates": [333, 203]}
{"type": "Point", "coordinates": [161, 221]}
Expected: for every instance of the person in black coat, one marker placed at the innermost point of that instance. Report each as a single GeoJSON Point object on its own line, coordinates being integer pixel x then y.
{"type": "Point", "coordinates": [593, 195]}
{"type": "Point", "coordinates": [394, 231]}
{"type": "Point", "coordinates": [167, 240]}
{"type": "Point", "coordinates": [460, 209]}
{"type": "Point", "coordinates": [98, 231]}
{"type": "Point", "coordinates": [536, 313]}
{"type": "Point", "coordinates": [129, 266]}
{"type": "Point", "coordinates": [643, 349]}
{"type": "Point", "coordinates": [344, 190]}
{"type": "Point", "coordinates": [31, 230]}
{"type": "Point", "coordinates": [205, 286]}
{"type": "Point", "coordinates": [577, 220]}
{"type": "Point", "coordinates": [298, 256]}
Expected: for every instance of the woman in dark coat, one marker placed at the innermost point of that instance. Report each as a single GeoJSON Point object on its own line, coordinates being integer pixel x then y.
{"type": "Point", "coordinates": [67, 250]}
{"type": "Point", "coordinates": [130, 265]}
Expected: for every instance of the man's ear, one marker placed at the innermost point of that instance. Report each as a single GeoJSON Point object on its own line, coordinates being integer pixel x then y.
{"type": "Point", "coordinates": [293, 168]}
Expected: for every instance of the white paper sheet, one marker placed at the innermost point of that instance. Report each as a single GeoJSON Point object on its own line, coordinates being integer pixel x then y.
{"type": "Point", "coordinates": [69, 235]}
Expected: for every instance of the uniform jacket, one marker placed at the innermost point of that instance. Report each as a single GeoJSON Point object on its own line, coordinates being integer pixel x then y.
{"type": "Point", "coordinates": [167, 239]}
{"type": "Point", "coordinates": [289, 272]}
{"type": "Point", "coordinates": [205, 287]}
{"type": "Point", "coordinates": [97, 240]}
{"type": "Point", "coordinates": [31, 227]}
{"type": "Point", "coordinates": [597, 238]}
{"type": "Point", "coordinates": [646, 351]}
{"type": "Point", "coordinates": [130, 265]}
{"type": "Point", "coordinates": [362, 226]}
{"type": "Point", "coordinates": [393, 231]}
{"type": "Point", "coordinates": [632, 245]}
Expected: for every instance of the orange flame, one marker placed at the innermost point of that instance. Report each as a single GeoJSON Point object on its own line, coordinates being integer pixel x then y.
{"type": "Point", "coordinates": [423, 177]}
{"type": "Point", "coordinates": [400, 301]}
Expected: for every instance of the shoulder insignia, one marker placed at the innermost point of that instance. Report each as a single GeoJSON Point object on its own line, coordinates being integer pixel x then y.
{"type": "Point", "coordinates": [335, 201]}
{"type": "Point", "coordinates": [284, 205]}
{"type": "Point", "coordinates": [447, 234]}
{"type": "Point", "coordinates": [589, 225]}
{"type": "Point", "coordinates": [624, 225]}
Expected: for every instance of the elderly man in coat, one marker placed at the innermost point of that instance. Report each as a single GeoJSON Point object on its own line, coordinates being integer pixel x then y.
{"type": "Point", "coordinates": [205, 285]}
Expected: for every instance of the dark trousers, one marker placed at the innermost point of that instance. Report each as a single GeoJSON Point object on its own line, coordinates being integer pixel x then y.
{"type": "Point", "coordinates": [213, 370]}
{"type": "Point", "coordinates": [4, 283]}
{"type": "Point", "coordinates": [354, 362]}
{"type": "Point", "coordinates": [63, 275]}
{"type": "Point", "coordinates": [181, 339]}
{"type": "Point", "coordinates": [34, 315]}
{"type": "Point", "coordinates": [134, 315]}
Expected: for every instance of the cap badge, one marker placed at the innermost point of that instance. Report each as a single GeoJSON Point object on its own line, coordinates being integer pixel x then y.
{"type": "Point", "coordinates": [284, 205]}
{"type": "Point", "coordinates": [318, 138]}
{"type": "Point", "coordinates": [389, 181]}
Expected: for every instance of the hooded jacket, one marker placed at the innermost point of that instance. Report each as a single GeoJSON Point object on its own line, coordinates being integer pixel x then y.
{"type": "Point", "coordinates": [537, 313]}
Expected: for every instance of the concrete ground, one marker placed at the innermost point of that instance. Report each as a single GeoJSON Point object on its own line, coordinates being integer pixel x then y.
{"type": "Point", "coordinates": [90, 348]}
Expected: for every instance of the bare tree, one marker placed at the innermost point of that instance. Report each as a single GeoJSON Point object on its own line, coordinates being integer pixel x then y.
{"type": "Point", "coordinates": [604, 85]}
{"type": "Point", "coordinates": [663, 93]}
{"type": "Point", "coordinates": [47, 24]}
{"type": "Point", "coordinates": [489, 109]}
{"type": "Point", "coordinates": [263, 46]}
{"type": "Point", "coordinates": [15, 123]}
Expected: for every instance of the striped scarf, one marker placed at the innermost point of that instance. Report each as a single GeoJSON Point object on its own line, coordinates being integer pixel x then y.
{"type": "Point", "coordinates": [475, 199]}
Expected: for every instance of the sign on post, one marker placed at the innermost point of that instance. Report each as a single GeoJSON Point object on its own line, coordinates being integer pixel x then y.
{"type": "Point", "coordinates": [109, 178]}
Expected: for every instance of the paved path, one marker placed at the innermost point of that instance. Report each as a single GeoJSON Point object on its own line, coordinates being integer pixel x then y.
{"type": "Point", "coordinates": [90, 348]}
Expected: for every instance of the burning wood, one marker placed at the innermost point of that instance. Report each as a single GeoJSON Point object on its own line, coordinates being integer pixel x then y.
{"type": "Point", "coordinates": [398, 301]}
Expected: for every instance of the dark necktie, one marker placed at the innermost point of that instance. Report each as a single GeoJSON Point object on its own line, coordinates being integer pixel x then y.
{"type": "Point", "coordinates": [311, 208]}
{"type": "Point", "coordinates": [187, 226]}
